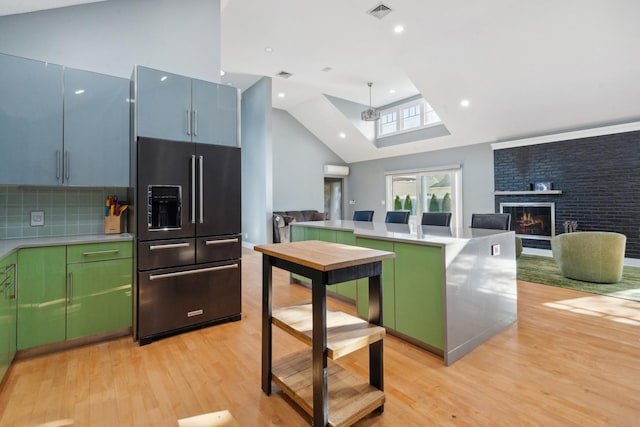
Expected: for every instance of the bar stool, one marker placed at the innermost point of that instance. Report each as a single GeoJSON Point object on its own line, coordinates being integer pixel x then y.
{"type": "Point", "coordinates": [397, 217]}
{"type": "Point", "coordinates": [363, 216]}
{"type": "Point", "coordinates": [436, 218]}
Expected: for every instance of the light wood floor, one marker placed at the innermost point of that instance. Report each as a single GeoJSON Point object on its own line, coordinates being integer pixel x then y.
{"type": "Point", "coordinates": [572, 359]}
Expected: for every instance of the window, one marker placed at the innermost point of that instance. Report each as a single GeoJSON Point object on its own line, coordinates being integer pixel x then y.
{"type": "Point", "coordinates": [389, 122]}
{"type": "Point", "coordinates": [413, 115]}
{"type": "Point", "coordinates": [427, 190]}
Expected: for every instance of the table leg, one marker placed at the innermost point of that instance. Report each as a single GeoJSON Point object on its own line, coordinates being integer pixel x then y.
{"type": "Point", "coordinates": [376, 362]}
{"type": "Point", "coordinates": [319, 338]}
{"type": "Point", "coordinates": [266, 323]}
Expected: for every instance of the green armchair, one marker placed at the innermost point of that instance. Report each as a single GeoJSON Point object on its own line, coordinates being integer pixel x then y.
{"type": "Point", "coordinates": [591, 256]}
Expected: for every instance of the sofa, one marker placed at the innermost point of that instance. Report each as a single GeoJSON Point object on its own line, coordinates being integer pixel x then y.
{"type": "Point", "coordinates": [590, 256]}
{"type": "Point", "coordinates": [282, 219]}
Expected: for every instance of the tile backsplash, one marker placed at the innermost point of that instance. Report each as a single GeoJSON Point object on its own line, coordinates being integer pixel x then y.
{"type": "Point", "coordinates": [68, 211]}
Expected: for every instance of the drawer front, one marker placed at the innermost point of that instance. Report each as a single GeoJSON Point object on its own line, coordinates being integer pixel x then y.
{"type": "Point", "coordinates": [218, 248]}
{"type": "Point", "coordinates": [166, 253]}
{"type": "Point", "coordinates": [99, 251]}
{"type": "Point", "coordinates": [176, 298]}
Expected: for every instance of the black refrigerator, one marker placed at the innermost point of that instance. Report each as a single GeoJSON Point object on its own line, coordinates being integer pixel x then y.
{"type": "Point", "coordinates": [188, 236]}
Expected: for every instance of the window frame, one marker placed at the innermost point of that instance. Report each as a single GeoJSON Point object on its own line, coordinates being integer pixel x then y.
{"type": "Point", "coordinates": [425, 110]}
{"type": "Point", "coordinates": [456, 188]}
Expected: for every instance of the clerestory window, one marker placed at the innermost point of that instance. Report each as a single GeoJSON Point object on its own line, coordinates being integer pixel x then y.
{"type": "Point", "coordinates": [410, 116]}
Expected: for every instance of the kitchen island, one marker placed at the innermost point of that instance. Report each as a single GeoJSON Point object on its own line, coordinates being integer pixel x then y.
{"type": "Point", "coordinates": [448, 290]}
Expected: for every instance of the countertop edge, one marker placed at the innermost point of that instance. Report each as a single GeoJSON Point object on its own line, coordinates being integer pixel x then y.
{"type": "Point", "coordinates": [8, 246]}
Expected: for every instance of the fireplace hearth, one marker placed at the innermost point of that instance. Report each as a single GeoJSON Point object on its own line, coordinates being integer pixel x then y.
{"type": "Point", "coordinates": [531, 220]}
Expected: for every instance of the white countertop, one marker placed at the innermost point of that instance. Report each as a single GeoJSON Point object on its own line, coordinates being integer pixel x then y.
{"type": "Point", "coordinates": [10, 245]}
{"type": "Point", "coordinates": [424, 235]}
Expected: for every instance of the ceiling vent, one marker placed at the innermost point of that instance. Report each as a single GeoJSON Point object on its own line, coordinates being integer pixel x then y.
{"type": "Point", "coordinates": [284, 74]}
{"type": "Point", "coordinates": [380, 11]}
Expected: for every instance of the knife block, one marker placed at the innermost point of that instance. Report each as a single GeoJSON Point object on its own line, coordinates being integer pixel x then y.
{"type": "Point", "coordinates": [113, 224]}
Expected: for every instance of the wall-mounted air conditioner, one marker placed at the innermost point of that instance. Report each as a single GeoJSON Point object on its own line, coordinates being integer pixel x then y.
{"type": "Point", "coordinates": [334, 170]}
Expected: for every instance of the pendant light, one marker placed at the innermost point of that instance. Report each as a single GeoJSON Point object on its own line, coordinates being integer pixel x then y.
{"type": "Point", "coordinates": [370, 115]}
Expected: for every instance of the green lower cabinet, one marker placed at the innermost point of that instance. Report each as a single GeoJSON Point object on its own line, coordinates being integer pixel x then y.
{"type": "Point", "coordinates": [346, 289]}
{"type": "Point", "coordinates": [389, 267]}
{"type": "Point", "coordinates": [8, 311]}
{"type": "Point", "coordinates": [42, 296]}
{"type": "Point", "coordinates": [298, 234]}
{"type": "Point", "coordinates": [418, 292]}
{"type": "Point", "coordinates": [69, 292]}
{"type": "Point", "coordinates": [99, 297]}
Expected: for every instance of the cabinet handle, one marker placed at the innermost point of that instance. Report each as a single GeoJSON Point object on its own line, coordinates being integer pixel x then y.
{"type": "Point", "coordinates": [70, 288]}
{"type": "Point", "coordinates": [221, 241]}
{"type": "Point", "coordinates": [110, 251]}
{"type": "Point", "coordinates": [193, 189]}
{"type": "Point", "coordinates": [58, 164]}
{"type": "Point", "coordinates": [188, 123]}
{"type": "Point", "coordinates": [169, 246]}
{"type": "Point", "coordinates": [201, 190]}
{"type": "Point", "coordinates": [14, 281]}
{"type": "Point", "coordinates": [195, 122]}
{"type": "Point", "coordinates": [189, 272]}
{"type": "Point", "coordinates": [67, 158]}
{"type": "Point", "coordinates": [7, 282]}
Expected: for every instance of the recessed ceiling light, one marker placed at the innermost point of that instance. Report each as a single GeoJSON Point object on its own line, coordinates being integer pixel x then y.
{"type": "Point", "coordinates": [392, 91]}
{"type": "Point", "coordinates": [163, 78]}
{"type": "Point", "coordinates": [465, 103]}
{"type": "Point", "coordinates": [268, 49]}
{"type": "Point", "coordinates": [222, 72]}
{"type": "Point", "coordinates": [79, 91]}
{"type": "Point", "coordinates": [398, 29]}
{"type": "Point", "coordinates": [343, 135]}
{"type": "Point", "coordinates": [281, 95]}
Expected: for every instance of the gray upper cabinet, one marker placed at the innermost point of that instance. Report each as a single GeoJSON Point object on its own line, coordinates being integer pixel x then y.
{"type": "Point", "coordinates": [30, 122]}
{"type": "Point", "coordinates": [61, 126]}
{"type": "Point", "coordinates": [170, 106]}
{"type": "Point", "coordinates": [163, 105]}
{"type": "Point", "coordinates": [215, 108]}
{"type": "Point", "coordinates": [96, 129]}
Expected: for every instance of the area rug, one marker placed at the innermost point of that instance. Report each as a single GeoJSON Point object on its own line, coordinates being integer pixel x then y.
{"type": "Point", "coordinates": [539, 269]}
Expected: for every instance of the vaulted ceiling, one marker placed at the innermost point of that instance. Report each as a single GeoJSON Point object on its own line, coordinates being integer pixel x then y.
{"type": "Point", "coordinates": [527, 68]}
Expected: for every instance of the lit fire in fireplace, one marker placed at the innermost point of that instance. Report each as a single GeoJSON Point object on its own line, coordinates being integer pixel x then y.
{"type": "Point", "coordinates": [527, 220]}
{"type": "Point", "coordinates": [531, 220]}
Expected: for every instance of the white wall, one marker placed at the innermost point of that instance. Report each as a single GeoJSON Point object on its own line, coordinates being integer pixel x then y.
{"type": "Point", "coordinates": [110, 37]}
{"type": "Point", "coordinates": [298, 165]}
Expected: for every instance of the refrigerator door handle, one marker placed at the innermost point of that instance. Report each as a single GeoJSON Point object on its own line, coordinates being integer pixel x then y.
{"type": "Point", "coordinates": [201, 190]}
{"type": "Point", "coordinates": [189, 272]}
{"type": "Point", "coordinates": [193, 189]}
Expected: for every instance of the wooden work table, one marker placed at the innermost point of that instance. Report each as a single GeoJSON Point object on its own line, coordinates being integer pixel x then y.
{"type": "Point", "coordinates": [308, 379]}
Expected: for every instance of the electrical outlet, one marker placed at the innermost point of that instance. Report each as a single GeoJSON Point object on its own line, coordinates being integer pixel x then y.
{"type": "Point", "coordinates": [37, 218]}
{"type": "Point", "coordinates": [352, 202]}
{"type": "Point", "coordinates": [495, 250]}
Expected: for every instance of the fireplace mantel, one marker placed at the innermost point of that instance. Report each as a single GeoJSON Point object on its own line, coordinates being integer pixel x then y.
{"type": "Point", "coordinates": [526, 192]}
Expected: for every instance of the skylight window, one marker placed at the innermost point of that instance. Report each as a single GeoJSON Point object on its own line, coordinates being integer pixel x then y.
{"type": "Point", "coordinates": [410, 116]}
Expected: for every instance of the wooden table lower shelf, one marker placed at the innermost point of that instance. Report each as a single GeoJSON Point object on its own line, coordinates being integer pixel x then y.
{"type": "Point", "coordinates": [350, 398]}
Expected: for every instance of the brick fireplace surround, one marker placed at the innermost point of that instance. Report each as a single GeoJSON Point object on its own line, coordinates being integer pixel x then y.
{"type": "Point", "coordinates": [598, 177]}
